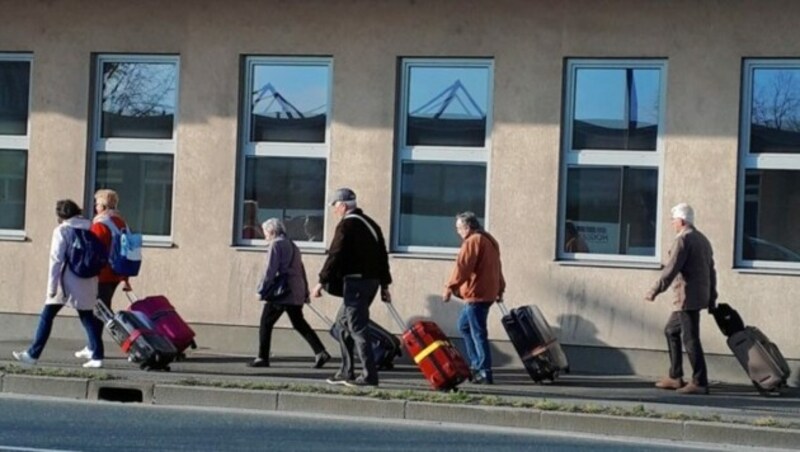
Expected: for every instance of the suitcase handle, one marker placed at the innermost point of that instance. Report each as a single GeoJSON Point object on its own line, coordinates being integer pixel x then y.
{"type": "Point", "coordinates": [322, 316]}
{"type": "Point", "coordinates": [396, 316]}
{"type": "Point", "coordinates": [503, 308]}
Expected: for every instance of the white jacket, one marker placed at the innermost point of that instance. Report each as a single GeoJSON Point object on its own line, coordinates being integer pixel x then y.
{"type": "Point", "coordinates": [79, 293]}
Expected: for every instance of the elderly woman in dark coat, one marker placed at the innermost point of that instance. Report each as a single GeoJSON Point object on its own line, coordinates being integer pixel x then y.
{"type": "Point", "coordinates": [284, 258]}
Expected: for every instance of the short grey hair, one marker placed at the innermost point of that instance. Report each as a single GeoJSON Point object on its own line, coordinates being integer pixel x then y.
{"type": "Point", "coordinates": [470, 220]}
{"type": "Point", "coordinates": [350, 204]}
{"type": "Point", "coordinates": [275, 226]}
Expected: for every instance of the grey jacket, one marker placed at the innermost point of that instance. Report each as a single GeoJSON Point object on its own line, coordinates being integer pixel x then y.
{"type": "Point", "coordinates": [690, 271]}
{"type": "Point", "coordinates": [284, 256]}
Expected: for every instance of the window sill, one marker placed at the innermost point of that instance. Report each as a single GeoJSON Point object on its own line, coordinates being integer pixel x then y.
{"type": "Point", "coordinates": [612, 264]}
{"type": "Point", "coordinates": [150, 243]}
{"type": "Point", "coordinates": [769, 271]}
{"type": "Point", "coordinates": [423, 256]}
{"type": "Point", "coordinates": [13, 236]}
{"type": "Point", "coordinates": [262, 248]}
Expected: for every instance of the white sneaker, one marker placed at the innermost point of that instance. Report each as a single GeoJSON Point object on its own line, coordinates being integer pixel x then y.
{"type": "Point", "coordinates": [24, 357]}
{"type": "Point", "coordinates": [84, 353]}
{"type": "Point", "coordinates": [93, 364]}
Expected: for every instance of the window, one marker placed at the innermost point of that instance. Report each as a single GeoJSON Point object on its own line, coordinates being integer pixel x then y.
{"type": "Point", "coordinates": [443, 150]}
{"type": "Point", "coordinates": [286, 139]}
{"type": "Point", "coordinates": [769, 170]}
{"type": "Point", "coordinates": [611, 173]}
{"type": "Point", "coordinates": [136, 106]}
{"type": "Point", "coordinates": [15, 76]}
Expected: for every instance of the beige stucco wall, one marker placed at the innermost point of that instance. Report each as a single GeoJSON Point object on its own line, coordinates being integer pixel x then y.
{"type": "Point", "coordinates": [210, 281]}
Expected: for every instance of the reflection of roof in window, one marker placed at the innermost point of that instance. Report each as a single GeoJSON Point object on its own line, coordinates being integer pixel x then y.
{"type": "Point", "coordinates": [278, 105]}
{"type": "Point", "coordinates": [435, 108]}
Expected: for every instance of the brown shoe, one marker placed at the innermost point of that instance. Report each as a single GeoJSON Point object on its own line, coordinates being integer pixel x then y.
{"type": "Point", "coordinates": [670, 383]}
{"type": "Point", "coordinates": [692, 388]}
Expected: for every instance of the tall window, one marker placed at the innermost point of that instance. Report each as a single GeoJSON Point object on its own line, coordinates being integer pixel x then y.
{"type": "Point", "coordinates": [769, 170]}
{"type": "Point", "coordinates": [610, 173]}
{"type": "Point", "coordinates": [286, 138]}
{"type": "Point", "coordinates": [136, 106]}
{"type": "Point", "coordinates": [444, 142]}
{"type": "Point", "coordinates": [15, 75]}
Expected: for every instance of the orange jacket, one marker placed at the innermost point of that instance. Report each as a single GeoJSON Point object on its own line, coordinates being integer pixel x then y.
{"type": "Point", "coordinates": [478, 274]}
{"type": "Point", "coordinates": [104, 234]}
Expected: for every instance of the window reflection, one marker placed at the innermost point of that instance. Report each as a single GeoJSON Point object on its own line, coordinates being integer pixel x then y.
{"type": "Point", "coordinates": [616, 109]}
{"type": "Point", "coordinates": [612, 210]}
{"type": "Point", "coordinates": [289, 103]}
{"type": "Point", "coordinates": [13, 164]}
{"type": "Point", "coordinates": [771, 215]}
{"type": "Point", "coordinates": [14, 89]}
{"type": "Point", "coordinates": [447, 106]}
{"type": "Point", "coordinates": [138, 100]}
{"type": "Point", "coordinates": [432, 194]}
{"type": "Point", "coordinates": [775, 111]}
{"type": "Point", "coordinates": [292, 189]}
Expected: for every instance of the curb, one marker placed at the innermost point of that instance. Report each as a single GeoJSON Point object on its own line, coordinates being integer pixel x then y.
{"type": "Point", "coordinates": [166, 394]}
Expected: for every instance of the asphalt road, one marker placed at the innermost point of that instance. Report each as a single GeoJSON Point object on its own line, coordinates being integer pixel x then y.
{"type": "Point", "coordinates": [43, 424]}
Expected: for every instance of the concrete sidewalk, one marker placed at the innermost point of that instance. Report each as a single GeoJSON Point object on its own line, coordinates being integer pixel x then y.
{"type": "Point", "coordinates": [663, 414]}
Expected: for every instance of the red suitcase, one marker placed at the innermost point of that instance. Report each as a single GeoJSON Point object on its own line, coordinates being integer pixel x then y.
{"type": "Point", "coordinates": [437, 358]}
{"type": "Point", "coordinates": [165, 318]}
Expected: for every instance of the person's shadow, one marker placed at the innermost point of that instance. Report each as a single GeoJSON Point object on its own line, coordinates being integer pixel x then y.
{"type": "Point", "coordinates": [594, 358]}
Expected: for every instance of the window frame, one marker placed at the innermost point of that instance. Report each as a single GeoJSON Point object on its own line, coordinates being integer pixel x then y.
{"type": "Point", "coordinates": [19, 142]}
{"type": "Point", "coordinates": [748, 160]}
{"type": "Point", "coordinates": [141, 146]}
{"type": "Point", "coordinates": [605, 158]}
{"type": "Point", "coordinates": [259, 149]}
{"type": "Point", "coordinates": [468, 155]}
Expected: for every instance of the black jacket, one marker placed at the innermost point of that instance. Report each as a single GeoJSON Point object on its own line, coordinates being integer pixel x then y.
{"type": "Point", "coordinates": [354, 250]}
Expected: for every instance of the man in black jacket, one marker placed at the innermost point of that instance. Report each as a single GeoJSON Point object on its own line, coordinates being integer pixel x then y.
{"type": "Point", "coordinates": [357, 265]}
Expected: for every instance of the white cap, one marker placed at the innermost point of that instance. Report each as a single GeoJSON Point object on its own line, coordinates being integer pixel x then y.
{"type": "Point", "coordinates": [684, 212]}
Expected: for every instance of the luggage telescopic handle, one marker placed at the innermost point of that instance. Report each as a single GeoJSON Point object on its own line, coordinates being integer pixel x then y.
{"type": "Point", "coordinates": [396, 316]}
{"type": "Point", "coordinates": [320, 315]}
{"type": "Point", "coordinates": [131, 296]}
{"type": "Point", "coordinates": [503, 308]}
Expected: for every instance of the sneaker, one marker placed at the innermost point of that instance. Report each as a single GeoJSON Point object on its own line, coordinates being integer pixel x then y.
{"type": "Point", "coordinates": [258, 362]}
{"type": "Point", "coordinates": [692, 388]}
{"type": "Point", "coordinates": [24, 357]}
{"type": "Point", "coordinates": [321, 358]}
{"type": "Point", "coordinates": [338, 379]}
{"type": "Point", "coordinates": [670, 383]}
{"type": "Point", "coordinates": [360, 382]}
{"type": "Point", "coordinates": [93, 364]}
{"type": "Point", "coordinates": [84, 353]}
{"type": "Point", "coordinates": [482, 378]}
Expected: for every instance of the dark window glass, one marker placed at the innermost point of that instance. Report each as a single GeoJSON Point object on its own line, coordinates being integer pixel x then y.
{"type": "Point", "coordinates": [431, 196]}
{"type": "Point", "coordinates": [616, 109]}
{"type": "Point", "coordinates": [138, 100]}
{"type": "Point", "coordinates": [13, 170]}
{"type": "Point", "coordinates": [14, 91]}
{"type": "Point", "coordinates": [775, 113]}
{"type": "Point", "coordinates": [289, 103]}
{"type": "Point", "coordinates": [771, 215]}
{"type": "Point", "coordinates": [613, 210]}
{"type": "Point", "coordinates": [290, 189]}
{"type": "Point", "coordinates": [144, 185]}
{"type": "Point", "coordinates": [447, 106]}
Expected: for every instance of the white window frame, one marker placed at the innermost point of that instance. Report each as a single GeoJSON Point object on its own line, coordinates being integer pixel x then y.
{"type": "Point", "coordinates": [758, 161]}
{"type": "Point", "coordinates": [604, 158]}
{"type": "Point", "coordinates": [135, 145]}
{"type": "Point", "coordinates": [439, 154]}
{"type": "Point", "coordinates": [18, 142]}
{"type": "Point", "coordinates": [277, 149]}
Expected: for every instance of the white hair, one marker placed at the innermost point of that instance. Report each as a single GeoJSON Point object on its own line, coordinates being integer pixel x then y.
{"type": "Point", "coordinates": [684, 212]}
{"type": "Point", "coordinates": [275, 226]}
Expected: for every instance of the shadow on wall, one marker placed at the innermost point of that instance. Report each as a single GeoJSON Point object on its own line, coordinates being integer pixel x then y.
{"type": "Point", "coordinates": [598, 358]}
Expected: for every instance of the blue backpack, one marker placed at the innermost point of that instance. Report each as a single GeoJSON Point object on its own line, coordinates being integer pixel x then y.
{"type": "Point", "coordinates": [126, 250]}
{"type": "Point", "coordinates": [86, 254]}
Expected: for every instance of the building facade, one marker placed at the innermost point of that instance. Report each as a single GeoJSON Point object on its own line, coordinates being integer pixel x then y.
{"type": "Point", "coordinates": [569, 127]}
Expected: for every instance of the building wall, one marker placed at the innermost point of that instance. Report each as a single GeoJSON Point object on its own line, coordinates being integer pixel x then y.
{"type": "Point", "coordinates": [212, 281]}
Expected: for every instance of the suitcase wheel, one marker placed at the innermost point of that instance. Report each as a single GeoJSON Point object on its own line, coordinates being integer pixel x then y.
{"type": "Point", "coordinates": [193, 345]}
{"type": "Point", "coordinates": [387, 366]}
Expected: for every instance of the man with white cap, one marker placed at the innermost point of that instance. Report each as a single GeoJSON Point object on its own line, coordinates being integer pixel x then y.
{"type": "Point", "coordinates": [690, 270]}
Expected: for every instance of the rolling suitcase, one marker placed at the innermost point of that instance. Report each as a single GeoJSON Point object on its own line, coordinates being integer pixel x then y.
{"type": "Point", "coordinates": [136, 337]}
{"type": "Point", "coordinates": [535, 342]}
{"type": "Point", "coordinates": [761, 359]}
{"type": "Point", "coordinates": [440, 362]}
{"type": "Point", "coordinates": [384, 345]}
{"type": "Point", "coordinates": [165, 319]}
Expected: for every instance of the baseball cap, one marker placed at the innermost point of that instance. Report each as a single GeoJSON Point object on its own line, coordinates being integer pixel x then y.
{"type": "Point", "coordinates": [342, 194]}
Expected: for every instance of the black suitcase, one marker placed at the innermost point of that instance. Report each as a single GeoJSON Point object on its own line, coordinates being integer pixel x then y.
{"type": "Point", "coordinates": [385, 345]}
{"type": "Point", "coordinates": [535, 342]}
{"type": "Point", "coordinates": [144, 346]}
{"type": "Point", "coordinates": [728, 319]}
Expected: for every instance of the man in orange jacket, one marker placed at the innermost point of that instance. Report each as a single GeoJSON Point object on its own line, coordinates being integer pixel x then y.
{"type": "Point", "coordinates": [477, 279]}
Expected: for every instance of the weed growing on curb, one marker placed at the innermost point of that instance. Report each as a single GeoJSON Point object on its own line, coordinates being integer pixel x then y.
{"type": "Point", "coordinates": [54, 372]}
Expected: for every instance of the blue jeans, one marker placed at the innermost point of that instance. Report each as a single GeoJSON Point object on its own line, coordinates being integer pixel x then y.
{"type": "Point", "coordinates": [92, 326]}
{"type": "Point", "coordinates": [472, 324]}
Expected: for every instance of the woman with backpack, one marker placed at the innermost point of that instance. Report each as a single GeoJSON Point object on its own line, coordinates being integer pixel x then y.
{"type": "Point", "coordinates": [71, 250]}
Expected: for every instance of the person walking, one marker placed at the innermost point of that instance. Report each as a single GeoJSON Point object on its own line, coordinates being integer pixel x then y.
{"type": "Point", "coordinates": [690, 271]}
{"type": "Point", "coordinates": [284, 258]}
{"type": "Point", "coordinates": [477, 278]}
{"type": "Point", "coordinates": [356, 266]}
{"type": "Point", "coordinates": [66, 288]}
{"type": "Point", "coordinates": [106, 213]}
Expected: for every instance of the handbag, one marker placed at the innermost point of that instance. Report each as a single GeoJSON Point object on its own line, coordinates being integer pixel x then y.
{"type": "Point", "coordinates": [278, 289]}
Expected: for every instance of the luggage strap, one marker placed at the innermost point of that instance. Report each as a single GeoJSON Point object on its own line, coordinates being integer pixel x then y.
{"type": "Point", "coordinates": [128, 342]}
{"type": "Point", "coordinates": [538, 350]}
{"type": "Point", "coordinates": [429, 349]}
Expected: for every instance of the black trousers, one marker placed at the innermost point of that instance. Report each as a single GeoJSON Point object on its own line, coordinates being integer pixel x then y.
{"type": "Point", "coordinates": [270, 315]}
{"type": "Point", "coordinates": [353, 321]}
{"type": "Point", "coordinates": [684, 327]}
{"type": "Point", "coordinates": [105, 292]}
